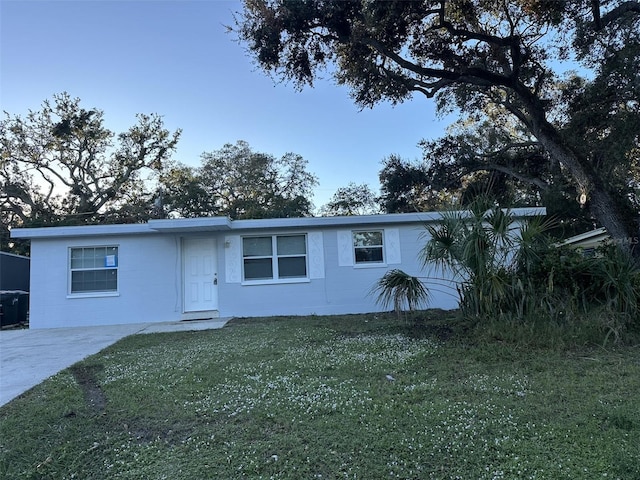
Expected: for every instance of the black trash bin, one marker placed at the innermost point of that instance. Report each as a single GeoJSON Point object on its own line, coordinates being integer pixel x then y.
{"type": "Point", "coordinates": [23, 306]}
{"type": "Point", "coordinates": [9, 304]}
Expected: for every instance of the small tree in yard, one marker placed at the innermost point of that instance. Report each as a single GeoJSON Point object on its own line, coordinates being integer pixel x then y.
{"type": "Point", "coordinates": [400, 289]}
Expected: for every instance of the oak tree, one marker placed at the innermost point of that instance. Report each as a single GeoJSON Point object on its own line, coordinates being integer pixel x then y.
{"type": "Point", "coordinates": [474, 56]}
{"type": "Point", "coordinates": [353, 199]}
{"type": "Point", "coordinates": [60, 165]}
{"type": "Point", "coordinates": [240, 183]}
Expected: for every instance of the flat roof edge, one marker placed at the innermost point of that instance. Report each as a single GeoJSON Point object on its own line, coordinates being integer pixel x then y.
{"type": "Point", "coordinates": [15, 255]}
{"type": "Point", "coordinates": [590, 235]}
{"type": "Point", "coordinates": [81, 230]}
{"type": "Point", "coordinates": [223, 224]}
{"type": "Point", "coordinates": [335, 221]}
{"type": "Point", "coordinates": [202, 224]}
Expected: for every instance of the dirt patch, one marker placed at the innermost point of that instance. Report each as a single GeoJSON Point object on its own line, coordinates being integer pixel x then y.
{"type": "Point", "coordinates": [94, 397]}
{"type": "Point", "coordinates": [440, 332]}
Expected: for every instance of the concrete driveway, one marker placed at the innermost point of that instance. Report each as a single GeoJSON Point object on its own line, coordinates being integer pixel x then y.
{"type": "Point", "coordinates": [27, 357]}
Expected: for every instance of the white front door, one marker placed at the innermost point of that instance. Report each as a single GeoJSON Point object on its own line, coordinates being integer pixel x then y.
{"type": "Point", "coordinates": [200, 275]}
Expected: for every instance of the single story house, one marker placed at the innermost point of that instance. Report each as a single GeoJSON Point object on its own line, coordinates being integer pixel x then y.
{"type": "Point", "coordinates": [184, 269]}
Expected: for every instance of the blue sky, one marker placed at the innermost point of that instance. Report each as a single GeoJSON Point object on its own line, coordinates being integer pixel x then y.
{"type": "Point", "coordinates": [175, 58]}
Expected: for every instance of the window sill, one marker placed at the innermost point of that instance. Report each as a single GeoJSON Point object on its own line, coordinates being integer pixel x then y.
{"type": "Point", "coordinates": [93, 295]}
{"type": "Point", "coordinates": [370, 265]}
{"type": "Point", "coordinates": [279, 281]}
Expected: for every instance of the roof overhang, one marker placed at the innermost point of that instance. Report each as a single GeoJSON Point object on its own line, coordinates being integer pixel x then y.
{"type": "Point", "coordinates": [81, 231]}
{"type": "Point", "coordinates": [589, 239]}
{"type": "Point", "coordinates": [225, 224]}
{"type": "Point", "coordinates": [202, 224]}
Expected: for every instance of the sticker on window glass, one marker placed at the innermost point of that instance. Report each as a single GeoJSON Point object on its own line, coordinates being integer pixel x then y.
{"type": "Point", "coordinates": [110, 261]}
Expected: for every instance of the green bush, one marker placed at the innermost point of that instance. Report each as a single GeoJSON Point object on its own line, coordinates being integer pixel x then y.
{"type": "Point", "coordinates": [401, 290]}
{"type": "Point", "coordinates": [516, 278]}
{"type": "Point", "coordinates": [481, 247]}
{"type": "Point", "coordinates": [568, 288]}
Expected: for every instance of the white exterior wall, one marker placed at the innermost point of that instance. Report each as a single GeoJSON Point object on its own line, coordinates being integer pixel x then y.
{"type": "Point", "coordinates": [345, 287]}
{"type": "Point", "coordinates": [149, 283]}
{"type": "Point", "coordinates": [150, 269]}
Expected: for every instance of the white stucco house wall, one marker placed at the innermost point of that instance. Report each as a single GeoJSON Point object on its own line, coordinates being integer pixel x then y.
{"type": "Point", "coordinates": [182, 269]}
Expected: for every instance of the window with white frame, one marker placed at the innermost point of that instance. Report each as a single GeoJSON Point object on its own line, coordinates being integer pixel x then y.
{"type": "Point", "coordinates": [368, 246]}
{"type": "Point", "coordinates": [274, 257]}
{"type": "Point", "coordinates": [93, 269]}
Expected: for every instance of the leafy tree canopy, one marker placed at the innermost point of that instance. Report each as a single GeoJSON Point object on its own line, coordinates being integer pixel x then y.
{"type": "Point", "coordinates": [240, 183]}
{"type": "Point", "coordinates": [491, 60]}
{"type": "Point", "coordinates": [408, 187]}
{"type": "Point", "coordinates": [61, 166]}
{"type": "Point", "coordinates": [478, 158]}
{"type": "Point", "coordinates": [352, 200]}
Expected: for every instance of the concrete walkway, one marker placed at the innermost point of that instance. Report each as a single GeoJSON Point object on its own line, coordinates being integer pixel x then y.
{"type": "Point", "coordinates": [27, 357]}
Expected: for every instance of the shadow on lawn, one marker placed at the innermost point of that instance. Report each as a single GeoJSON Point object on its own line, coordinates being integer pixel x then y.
{"type": "Point", "coordinates": [443, 325]}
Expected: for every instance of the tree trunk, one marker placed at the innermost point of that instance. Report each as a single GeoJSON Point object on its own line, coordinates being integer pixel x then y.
{"type": "Point", "coordinates": [599, 200]}
{"type": "Point", "coordinates": [601, 203]}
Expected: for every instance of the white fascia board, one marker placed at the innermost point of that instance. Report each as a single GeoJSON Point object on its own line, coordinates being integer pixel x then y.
{"type": "Point", "coordinates": [81, 231]}
{"type": "Point", "coordinates": [338, 221]}
{"type": "Point", "coordinates": [200, 224]}
{"type": "Point", "coordinates": [529, 212]}
{"type": "Point", "coordinates": [594, 235]}
{"type": "Point", "coordinates": [213, 224]}
{"type": "Point", "coordinates": [358, 221]}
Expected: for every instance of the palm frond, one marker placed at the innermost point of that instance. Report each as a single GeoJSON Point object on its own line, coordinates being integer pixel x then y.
{"type": "Point", "coordinates": [400, 289]}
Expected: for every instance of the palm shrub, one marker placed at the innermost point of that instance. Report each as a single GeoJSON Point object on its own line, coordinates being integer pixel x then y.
{"type": "Point", "coordinates": [401, 290]}
{"type": "Point", "coordinates": [617, 277]}
{"type": "Point", "coordinates": [481, 247]}
{"type": "Point", "coordinates": [510, 272]}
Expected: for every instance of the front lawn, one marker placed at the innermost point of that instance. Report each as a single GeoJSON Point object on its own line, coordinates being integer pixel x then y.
{"type": "Point", "coordinates": [360, 397]}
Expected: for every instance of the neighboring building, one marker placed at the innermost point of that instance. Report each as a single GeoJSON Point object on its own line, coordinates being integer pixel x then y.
{"type": "Point", "coordinates": [587, 241]}
{"type": "Point", "coordinates": [14, 288]}
{"type": "Point", "coordinates": [170, 270]}
{"type": "Point", "coordinates": [14, 272]}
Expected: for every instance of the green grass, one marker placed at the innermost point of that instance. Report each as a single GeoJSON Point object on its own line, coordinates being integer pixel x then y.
{"type": "Point", "coordinates": [306, 398]}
